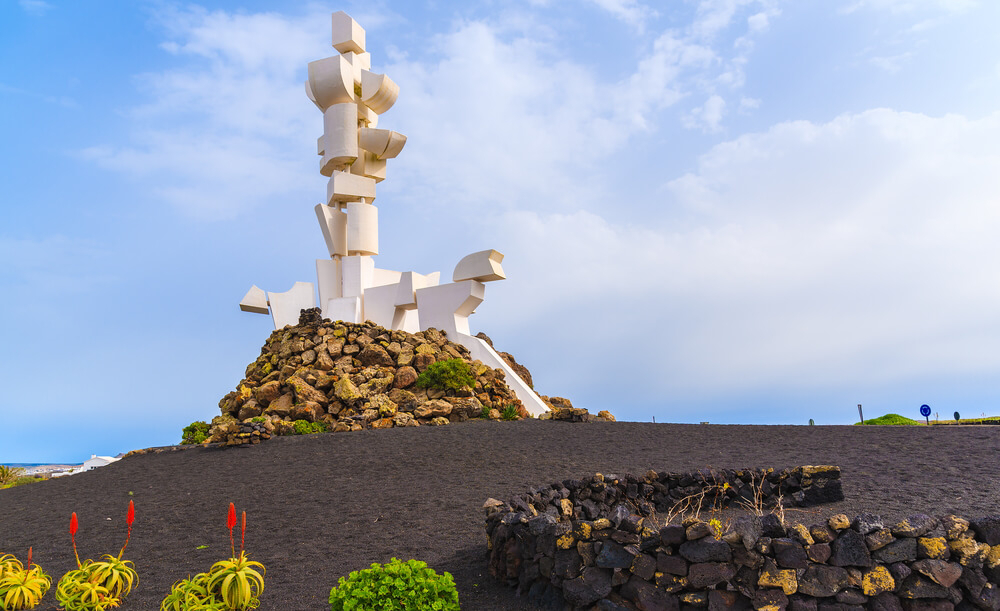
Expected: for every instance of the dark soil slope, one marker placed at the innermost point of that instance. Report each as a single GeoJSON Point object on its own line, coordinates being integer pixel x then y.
{"type": "Point", "coordinates": [320, 506]}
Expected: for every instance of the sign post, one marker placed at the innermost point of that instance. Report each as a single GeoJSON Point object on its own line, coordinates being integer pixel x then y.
{"type": "Point", "coordinates": [861, 414]}
{"type": "Point", "coordinates": [925, 411]}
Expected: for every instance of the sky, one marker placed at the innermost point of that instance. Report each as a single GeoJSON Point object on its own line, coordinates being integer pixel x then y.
{"type": "Point", "coordinates": [725, 211]}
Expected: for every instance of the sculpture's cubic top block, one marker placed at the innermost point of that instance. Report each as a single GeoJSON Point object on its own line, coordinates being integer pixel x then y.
{"type": "Point", "coordinates": [348, 36]}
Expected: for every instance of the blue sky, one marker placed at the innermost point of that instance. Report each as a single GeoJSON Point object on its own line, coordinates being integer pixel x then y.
{"type": "Point", "coordinates": [735, 211]}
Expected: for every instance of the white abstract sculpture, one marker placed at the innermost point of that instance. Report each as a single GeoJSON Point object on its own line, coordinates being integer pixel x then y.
{"type": "Point", "coordinates": [353, 154]}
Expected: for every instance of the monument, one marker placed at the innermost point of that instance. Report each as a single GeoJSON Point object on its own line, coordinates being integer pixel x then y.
{"type": "Point", "coordinates": [353, 155]}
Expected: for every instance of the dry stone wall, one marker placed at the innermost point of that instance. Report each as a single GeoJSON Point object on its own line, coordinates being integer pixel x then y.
{"type": "Point", "coordinates": [601, 543]}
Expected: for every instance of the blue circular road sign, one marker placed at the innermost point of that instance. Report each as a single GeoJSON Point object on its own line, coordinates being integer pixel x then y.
{"type": "Point", "coordinates": [925, 410]}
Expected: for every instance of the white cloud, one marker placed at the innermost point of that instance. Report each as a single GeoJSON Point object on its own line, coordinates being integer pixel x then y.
{"type": "Point", "coordinates": [36, 8]}
{"type": "Point", "coordinates": [909, 6]}
{"type": "Point", "coordinates": [892, 63]}
{"type": "Point", "coordinates": [708, 116]}
{"type": "Point", "coordinates": [629, 11]}
{"type": "Point", "coordinates": [223, 131]}
{"type": "Point", "coordinates": [855, 253]}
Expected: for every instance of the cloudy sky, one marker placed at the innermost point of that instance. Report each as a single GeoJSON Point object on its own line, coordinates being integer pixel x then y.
{"type": "Point", "coordinates": [734, 211]}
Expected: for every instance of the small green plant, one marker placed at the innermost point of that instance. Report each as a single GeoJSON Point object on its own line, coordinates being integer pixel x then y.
{"type": "Point", "coordinates": [21, 587]}
{"type": "Point", "coordinates": [451, 374]}
{"type": "Point", "coordinates": [9, 475]}
{"type": "Point", "coordinates": [484, 413]}
{"type": "Point", "coordinates": [510, 412]}
{"type": "Point", "coordinates": [195, 433]}
{"type": "Point", "coordinates": [229, 585]}
{"type": "Point", "coordinates": [396, 586]}
{"type": "Point", "coordinates": [304, 427]}
{"type": "Point", "coordinates": [97, 586]}
{"type": "Point", "coordinates": [812, 422]}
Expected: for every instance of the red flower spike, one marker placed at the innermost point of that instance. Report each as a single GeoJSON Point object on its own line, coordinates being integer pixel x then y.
{"type": "Point", "coordinates": [28, 566]}
{"type": "Point", "coordinates": [129, 518]}
{"type": "Point", "coordinates": [243, 534]}
{"type": "Point", "coordinates": [230, 523]}
{"type": "Point", "coordinates": [72, 535]}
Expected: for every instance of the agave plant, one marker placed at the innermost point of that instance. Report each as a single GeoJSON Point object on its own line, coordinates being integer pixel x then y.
{"type": "Point", "coordinates": [21, 586]}
{"type": "Point", "coordinates": [100, 585]}
{"type": "Point", "coordinates": [229, 585]}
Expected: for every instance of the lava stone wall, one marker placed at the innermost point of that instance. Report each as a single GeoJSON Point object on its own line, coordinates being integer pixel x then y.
{"type": "Point", "coordinates": [615, 552]}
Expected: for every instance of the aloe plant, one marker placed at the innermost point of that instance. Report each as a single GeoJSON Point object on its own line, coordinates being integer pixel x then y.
{"type": "Point", "coordinates": [21, 586]}
{"type": "Point", "coordinates": [229, 585]}
{"type": "Point", "coordinates": [100, 585]}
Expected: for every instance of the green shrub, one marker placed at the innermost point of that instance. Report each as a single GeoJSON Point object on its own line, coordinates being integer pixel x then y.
{"type": "Point", "coordinates": [510, 412]}
{"type": "Point", "coordinates": [484, 413]}
{"type": "Point", "coordinates": [397, 586]}
{"type": "Point", "coordinates": [895, 419]}
{"type": "Point", "coordinates": [304, 427]}
{"type": "Point", "coordinates": [9, 475]}
{"type": "Point", "coordinates": [452, 374]}
{"type": "Point", "coordinates": [196, 432]}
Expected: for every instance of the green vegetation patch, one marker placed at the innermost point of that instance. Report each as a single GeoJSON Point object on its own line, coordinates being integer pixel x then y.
{"type": "Point", "coordinates": [397, 586]}
{"type": "Point", "coordinates": [194, 433]}
{"type": "Point", "coordinates": [304, 427]}
{"type": "Point", "coordinates": [893, 419]}
{"type": "Point", "coordinates": [451, 374]}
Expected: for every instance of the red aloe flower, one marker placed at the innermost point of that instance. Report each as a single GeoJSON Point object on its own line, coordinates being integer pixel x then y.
{"type": "Point", "coordinates": [129, 518]}
{"type": "Point", "coordinates": [28, 566]}
{"type": "Point", "coordinates": [73, 525]}
{"type": "Point", "coordinates": [243, 534]}
{"type": "Point", "coordinates": [230, 523]}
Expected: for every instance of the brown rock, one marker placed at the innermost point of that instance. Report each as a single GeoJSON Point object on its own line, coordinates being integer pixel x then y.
{"type": "Point", "coordinates": [435, 408]}
{"type": "Point", "coordinates": [373, 354]}
{"type": "Point", "coordinates": [309, 410]}
{"type": "Point", "coordinates": [382, 423]}
{"type": "Point", "coordinates": [250, 409]}
{"type": "Point", "coordinates": [405, 377]}
{"type": "Point", "coordinates": [323, 361]}
{"type": "Point", "coordinates": [405, 400]}
{"type": "Point", "coordinates": [423, 360]}
{"type": "Point", "coordinates": [268, 392]}
{"type": "Point", "coordinates": [282, 406]}
{"type": "Point", "coordinates": [304, 392]}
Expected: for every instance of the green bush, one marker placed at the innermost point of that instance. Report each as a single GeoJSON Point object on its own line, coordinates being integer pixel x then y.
{"type": "Point", "coordinates": [452, 374]}
{"type": "Point", "coordinates": [196, 432]}
{"type": "Point", "coordinates": [890, 419]}
{"type": "Point", "coordinates": [304, 427]}
{"type": "Point", "coordinates": [397, 586]}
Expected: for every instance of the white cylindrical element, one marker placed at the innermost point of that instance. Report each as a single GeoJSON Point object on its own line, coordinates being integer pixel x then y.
{"type": "Point", "coordinates": [362, 229]}
{"type": "Point", "coordinates": [340, 133]}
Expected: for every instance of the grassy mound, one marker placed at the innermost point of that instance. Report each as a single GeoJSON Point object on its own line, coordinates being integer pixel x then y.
{"type": "Point", "coordinates": [894, 419]}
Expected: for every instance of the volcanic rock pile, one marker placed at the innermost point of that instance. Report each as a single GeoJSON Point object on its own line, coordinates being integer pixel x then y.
{"type": "Point", "coordinates": [354, 376]}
